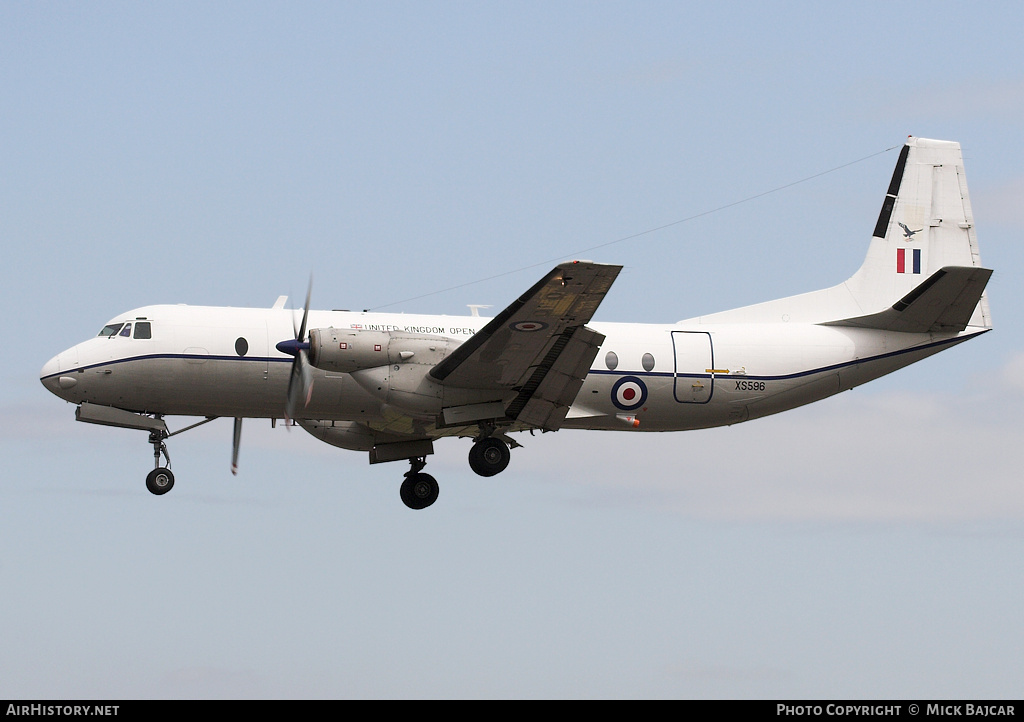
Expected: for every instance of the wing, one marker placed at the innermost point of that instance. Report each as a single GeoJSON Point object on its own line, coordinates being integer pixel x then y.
{"type": "Point", "coordinates": [538, 347]}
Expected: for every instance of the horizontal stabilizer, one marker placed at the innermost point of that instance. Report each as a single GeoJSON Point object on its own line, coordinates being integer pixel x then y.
{"type": "Point", "coordinates": [943, 303]}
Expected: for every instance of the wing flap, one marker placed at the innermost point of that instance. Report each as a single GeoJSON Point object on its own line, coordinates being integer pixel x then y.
{"type": "Point", "coordinates": [545, 399]}
{"type": "Point", "coordinates": [943, 303]}
{"type": "Point", "coordinates": [539, 347]}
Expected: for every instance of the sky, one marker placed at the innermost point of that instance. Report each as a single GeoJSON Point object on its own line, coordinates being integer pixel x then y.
{"type": "Point", "coordinates": [422, 156]}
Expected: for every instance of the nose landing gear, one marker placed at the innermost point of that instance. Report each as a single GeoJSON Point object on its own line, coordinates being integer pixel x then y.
{"type": "Point", "coordinates": [160, 480]}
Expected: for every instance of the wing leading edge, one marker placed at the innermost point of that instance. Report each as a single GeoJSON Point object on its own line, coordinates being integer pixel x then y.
{"type": "Point", "coordinates": [538, 347]}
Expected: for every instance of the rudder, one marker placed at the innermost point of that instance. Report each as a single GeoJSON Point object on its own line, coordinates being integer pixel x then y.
{"type": "Point", "coordinates": [926, 223]}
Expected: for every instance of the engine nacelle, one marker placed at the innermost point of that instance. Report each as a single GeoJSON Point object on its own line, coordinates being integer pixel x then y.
{"type": "Point", "coordinates": [395, 367]}
{"type": "Point", "coordinates": [410, 388]}
{"type": "Point", "coordinates": [345, 434]}
{"type": "Point", "coordinates": [348, 350]}
{"type": "Point", "coordinates": [407, 386]}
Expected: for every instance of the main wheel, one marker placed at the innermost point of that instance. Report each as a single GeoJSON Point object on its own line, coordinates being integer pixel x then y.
{"type": "Point", "coordinates": [489, 456]}
{"type": "Point", "coordinates": [419, 491]}
{"type": "Point", "coordinates": [160, 481]}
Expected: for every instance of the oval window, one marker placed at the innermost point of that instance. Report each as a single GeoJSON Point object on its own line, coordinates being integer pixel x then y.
{"type": "Point", "coordinates": [241, 346]}
{"type": "Point", "coordinates": [648, 362]}
{"type": "Point", "coordinates": [611, 360]}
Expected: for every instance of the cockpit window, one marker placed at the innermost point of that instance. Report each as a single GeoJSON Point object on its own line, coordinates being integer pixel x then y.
{"type": "Point", "coordinates": [143, 329]}
{"type": "Point", "coordinates": [127, 330]}
{"type": "Point", "coordinates": [111, 329]}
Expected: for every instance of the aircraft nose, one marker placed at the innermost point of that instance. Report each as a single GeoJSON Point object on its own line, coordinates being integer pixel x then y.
{"type": "Point", "coordinates": [50, 368]}
{"type": "Point", "coordinates": [50, 374]}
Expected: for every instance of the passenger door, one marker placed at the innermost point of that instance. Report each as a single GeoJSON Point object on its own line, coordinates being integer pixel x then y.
{"type": "Point", "coordinates": [694, 366]}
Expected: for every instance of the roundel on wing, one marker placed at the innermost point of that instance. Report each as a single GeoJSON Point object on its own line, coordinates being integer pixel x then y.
{"type": "Point", "coordinates": [528, 326]}
{"type": "Point", "coordinates": [629, 393]}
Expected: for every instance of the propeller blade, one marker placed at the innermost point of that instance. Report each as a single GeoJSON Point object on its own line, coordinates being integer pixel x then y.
{"type": "Point", "coordinates": [300, 383]}
{"type": "Point", "coordinates": [294, 384]}
{"type": "Point", "coordinates": [301, 336]}
{"type": "Point", "coordinates": [234, 446]}
{"type": "Point", "coordinates": [300, 386]}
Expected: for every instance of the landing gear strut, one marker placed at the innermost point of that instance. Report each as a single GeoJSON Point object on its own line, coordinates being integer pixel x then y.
{"type": "Point", "coordinates": [489, 456]}
{"type": "Point", "coordinates": [419, 490]}
{"type": "Point", "coordinates": [160, 480]}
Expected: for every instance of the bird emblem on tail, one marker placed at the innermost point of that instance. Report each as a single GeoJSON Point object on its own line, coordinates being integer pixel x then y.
{"type": "Point", "coordinates": [907, 233]}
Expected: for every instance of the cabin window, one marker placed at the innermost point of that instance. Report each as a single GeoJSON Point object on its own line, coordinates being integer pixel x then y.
{"type": "Point", "coordinates": [126, 331]}
{"type": "Point", "coordinates": [648, 362]}
{"type": "Point", "coordinates": [611, 360]}
{"type": "Point", "coordinates": [241, 346]}
{"type": "Point", "coordinates": [143, 329]}
{"type": "Point", "coordinates": [111, 329]}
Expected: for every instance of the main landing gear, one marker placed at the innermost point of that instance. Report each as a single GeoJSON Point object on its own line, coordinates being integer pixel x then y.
{"type": "Point", "coordinates": [419, 490]}
{"type": "Point", "coordinates": [488, 456]}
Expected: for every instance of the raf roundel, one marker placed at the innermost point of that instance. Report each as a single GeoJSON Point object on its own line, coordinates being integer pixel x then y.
{"type": "Point", "coordinates": [629, 393]}
{"type": "Point", "coordinates": [528, 326]}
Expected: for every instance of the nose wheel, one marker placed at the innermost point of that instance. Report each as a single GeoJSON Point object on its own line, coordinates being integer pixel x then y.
{"type": "Point", "coordinates": [160, 480]}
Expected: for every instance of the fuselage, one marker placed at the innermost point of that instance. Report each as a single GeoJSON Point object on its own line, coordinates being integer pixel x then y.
{"type": "Point", "coordinates": [222, 361]}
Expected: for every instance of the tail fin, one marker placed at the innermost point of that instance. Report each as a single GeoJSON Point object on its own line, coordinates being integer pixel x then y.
{"type": "Point", "coordinates": [926, 224]}
{"type": "Point", "coordinates": [922, 272]}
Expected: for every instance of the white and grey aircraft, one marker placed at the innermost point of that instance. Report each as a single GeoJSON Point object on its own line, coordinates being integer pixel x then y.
{"type": "Point", "coordinates": [392, 384]}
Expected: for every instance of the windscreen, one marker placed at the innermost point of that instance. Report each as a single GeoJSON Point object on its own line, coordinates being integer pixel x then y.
{"type": "Point", "coordinates": [111, 329]}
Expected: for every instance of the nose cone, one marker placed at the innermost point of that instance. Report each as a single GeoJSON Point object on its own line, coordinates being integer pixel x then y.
{"type": "Point", "coordinates": [50, 375]}
{"type": "Point", "coordinates": [62, 385]}
{"type": "Point", "coordinates": [50, 368]}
